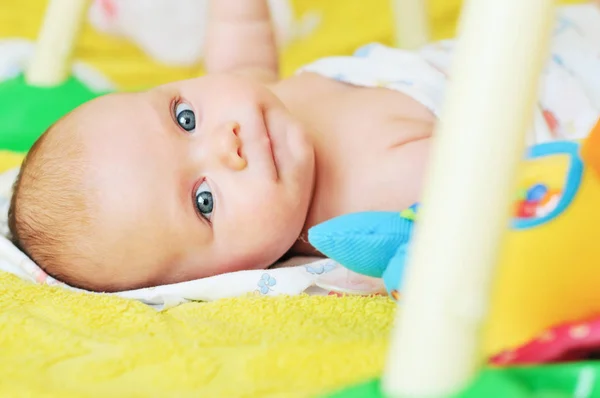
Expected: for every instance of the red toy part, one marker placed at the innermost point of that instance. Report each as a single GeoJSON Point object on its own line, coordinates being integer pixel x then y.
{"type": "Point", "coordinates": [566, 342]}
{"type": "Point", "coordinates": [551, 121]}
{"type": "Point", "coordinates": [590, 151]}
{"type": "Point", "coordinates": [526, 209]}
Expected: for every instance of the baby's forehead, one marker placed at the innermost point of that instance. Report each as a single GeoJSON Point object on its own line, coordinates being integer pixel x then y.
{"type": "Point", "coordinates": [111, 103]}
{"type": "Point", "coordinates": [108, 112]}
{"type": "Point", "coordinates": [92, 113]}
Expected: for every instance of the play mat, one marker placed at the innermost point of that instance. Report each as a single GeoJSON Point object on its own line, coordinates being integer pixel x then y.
{"type": "Point", "coordinates": [344, 25]}
{"type": "Point", "coordinates": [57, 343]}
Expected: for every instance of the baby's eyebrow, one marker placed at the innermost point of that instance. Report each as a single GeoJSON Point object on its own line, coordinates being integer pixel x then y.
{"type": "Point", "coordinates": [156, 112]}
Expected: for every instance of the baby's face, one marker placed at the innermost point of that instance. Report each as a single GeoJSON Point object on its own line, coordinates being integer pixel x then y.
{"type": "Point", "coordinates": [194, 179]}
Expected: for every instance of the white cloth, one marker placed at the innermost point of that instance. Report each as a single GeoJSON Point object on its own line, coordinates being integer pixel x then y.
{"type": "Point", "coordinates": [569, 99]}
{"type": "Point", "coordinates": [288, 280]}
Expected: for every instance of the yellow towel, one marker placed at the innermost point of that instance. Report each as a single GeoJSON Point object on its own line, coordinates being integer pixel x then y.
{"type": "Point", "coordinates": [56, 343]}
{"type": "Point", "coordinates": [9, 159]}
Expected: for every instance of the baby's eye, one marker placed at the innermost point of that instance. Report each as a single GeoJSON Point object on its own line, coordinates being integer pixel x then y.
{"type": "Point", "coordinates": [204, 200]}
{"type": "Point", "coordinates": [185, 117]}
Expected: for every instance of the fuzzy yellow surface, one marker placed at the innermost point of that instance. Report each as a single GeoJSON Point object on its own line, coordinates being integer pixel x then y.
{"type": "Point", "coordinates": [59, 344]}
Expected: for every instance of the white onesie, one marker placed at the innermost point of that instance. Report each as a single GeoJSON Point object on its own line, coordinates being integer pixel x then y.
{"type": "Point", "coordinates": [569, 99]}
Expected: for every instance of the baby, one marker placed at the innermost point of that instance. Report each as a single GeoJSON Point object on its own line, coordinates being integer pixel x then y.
{"type": "Point", "coordinates": [228, 171]}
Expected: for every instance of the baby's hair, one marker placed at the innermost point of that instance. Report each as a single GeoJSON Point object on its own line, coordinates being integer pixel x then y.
{"type": "Point", "coordinates": [48, 210]}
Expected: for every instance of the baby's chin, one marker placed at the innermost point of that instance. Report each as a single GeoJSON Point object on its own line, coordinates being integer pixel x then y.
{"type": "Point", "coordinates": [251, 265]}
{"type": "Point", "coordinates": [246, 267]}
{"type": "Point", "coordinates": [221, 269]}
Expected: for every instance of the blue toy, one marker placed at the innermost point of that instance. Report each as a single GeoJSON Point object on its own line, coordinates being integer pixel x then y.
{"type": "Point", "coordinates": [371, 243]}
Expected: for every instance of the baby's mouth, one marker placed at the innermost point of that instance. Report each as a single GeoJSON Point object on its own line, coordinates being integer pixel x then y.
{"type": "Point", "coordinates": [270, 148]}
{"type": "Point", "coordinates": [272, 152]}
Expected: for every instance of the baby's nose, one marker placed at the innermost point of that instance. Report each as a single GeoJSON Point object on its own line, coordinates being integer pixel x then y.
{"type": "Point", "coordinates": [229, 146]}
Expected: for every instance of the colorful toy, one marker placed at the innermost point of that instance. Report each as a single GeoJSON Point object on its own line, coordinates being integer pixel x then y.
{"type": "Point", "coordinates": [435, 349]}
{"type": "Point", "coordinates": [34, 99]}
{"type": "Point", "coordinates": [548, 272]}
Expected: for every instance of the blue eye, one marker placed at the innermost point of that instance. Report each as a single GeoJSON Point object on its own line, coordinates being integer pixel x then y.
{"type": "Point", "coordinates": [185, 117]}
{"type": "Point", "coordinates": [204, 200]}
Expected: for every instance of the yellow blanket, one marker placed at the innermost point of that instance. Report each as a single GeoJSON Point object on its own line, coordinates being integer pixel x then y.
{"type": "Point", "coordinates": [56, 343]}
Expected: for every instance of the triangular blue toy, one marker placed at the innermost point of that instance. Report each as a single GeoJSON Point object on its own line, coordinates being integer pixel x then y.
{"type": "Point", "coordinates": [372, 243]}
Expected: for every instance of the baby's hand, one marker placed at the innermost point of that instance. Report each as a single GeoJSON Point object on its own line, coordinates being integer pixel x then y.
{"type": "Point", "coordinates": [241, 39]}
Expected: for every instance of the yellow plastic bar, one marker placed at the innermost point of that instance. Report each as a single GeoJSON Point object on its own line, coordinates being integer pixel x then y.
{"type": "Point", "coordinates": [477, 145]}
{"type": "Point", "coordinates": [411, 23]}
{"type": "Point", "coordinates": [51, 63]}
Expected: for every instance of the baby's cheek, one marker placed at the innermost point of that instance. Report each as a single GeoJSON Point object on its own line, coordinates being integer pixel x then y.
{"type": "Point", "coordinates": [283, 220]}
{"type": "Point", "coordinates": [261, 228]}
{"type": "Point", "coordinates": [259, 242]}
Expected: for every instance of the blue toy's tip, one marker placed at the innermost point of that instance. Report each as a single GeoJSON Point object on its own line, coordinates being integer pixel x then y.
{"type": "Point", "coordinates": [393, 274]}
{"type": "Point", "coordinates": [362, 242]}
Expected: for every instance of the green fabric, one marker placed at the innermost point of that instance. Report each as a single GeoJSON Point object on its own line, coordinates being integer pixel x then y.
{"type": "Point", "coordinates": [568, 380]}
{"type": "Point", "coordinates": [370, 389]}
{"type": "Point", "coordinates": [27, 111]}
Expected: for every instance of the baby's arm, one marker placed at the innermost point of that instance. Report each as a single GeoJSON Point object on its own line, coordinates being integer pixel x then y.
{"type": "Point", "coordinates": [240, 39]}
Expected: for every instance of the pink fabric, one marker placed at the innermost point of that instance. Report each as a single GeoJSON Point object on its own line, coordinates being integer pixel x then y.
{"type": "Point", "coordinates": [571, 341]}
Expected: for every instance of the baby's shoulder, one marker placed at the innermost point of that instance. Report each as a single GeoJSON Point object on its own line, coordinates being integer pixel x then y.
{"type": "Point", "coordinates": [419, 74]}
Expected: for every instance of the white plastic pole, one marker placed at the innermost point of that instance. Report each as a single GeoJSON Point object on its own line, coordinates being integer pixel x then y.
{"type": "Point", "coordinates": [51, 63]}
{"type": "Point", "coordinates": [477, 146]}
{"type": "Point", "coordinates": [411, 24]}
